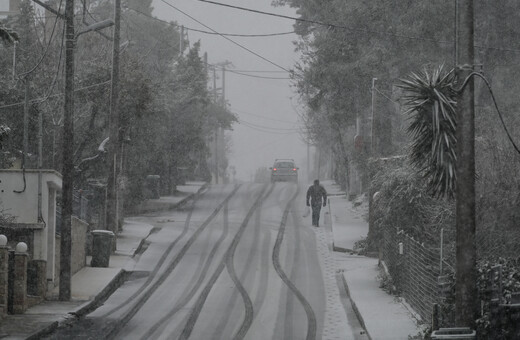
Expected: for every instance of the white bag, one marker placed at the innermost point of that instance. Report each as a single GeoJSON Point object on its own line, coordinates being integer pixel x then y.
{"type": "Point", "coordinates": [307, 212]}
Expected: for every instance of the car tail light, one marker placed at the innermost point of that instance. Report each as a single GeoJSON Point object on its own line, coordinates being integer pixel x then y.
{"type": "Point", "coordinates": [294, 169]}
{"type": "Point", "coordinates": [274, 169]}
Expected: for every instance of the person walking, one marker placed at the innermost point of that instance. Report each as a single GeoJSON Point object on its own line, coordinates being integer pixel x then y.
{"type": "Point", "coordinates": [318, 196]}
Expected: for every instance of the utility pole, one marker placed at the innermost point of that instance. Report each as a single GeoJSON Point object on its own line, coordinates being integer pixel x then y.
{"type": "Point", "coordinates": [223, 87]}
{"type": "Point", "coordinates": [68, 166]}
{"type": "Point", "coordinates": [114, 147]}
{"type": "Point", "coordinates": [373, 148]}
{"type": "Point", "coordinates": [216, 127]}
{"type": "Point", "coordinates": [181, 41]}
{"type": "Point", "coordinates": [466, 277]}
{"type": "Point", "coordinates": [308, 162]}
{"type": "Point", "coordinates": [374, 153]}
{"type": "Point", "coordinates": [25, 122]}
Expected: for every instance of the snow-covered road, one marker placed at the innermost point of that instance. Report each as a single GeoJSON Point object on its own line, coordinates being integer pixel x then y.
{"type": "Point", "coordinates": [238, 263]}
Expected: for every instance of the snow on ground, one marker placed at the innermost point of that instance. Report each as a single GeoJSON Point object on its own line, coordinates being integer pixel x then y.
{"type": "Point", "coordinates": [335, 323]}
{"type": "Point", "coordinates": [385, 316]}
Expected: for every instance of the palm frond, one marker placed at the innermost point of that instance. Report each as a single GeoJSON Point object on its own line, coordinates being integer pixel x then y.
{"type": "Point", "coordinates": [431, 102]}
{"type": "Point", "coordinates": [8, 36]}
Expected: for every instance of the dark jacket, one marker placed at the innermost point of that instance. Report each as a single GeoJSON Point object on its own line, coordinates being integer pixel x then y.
{"type": "Point", "coordinates": [316, 194]}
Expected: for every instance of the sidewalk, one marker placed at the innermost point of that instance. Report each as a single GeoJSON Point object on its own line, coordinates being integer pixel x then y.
{"type": "Point", "coordinates": [383, 315]}
{"type": "Point", "coordinates": [91, 286]}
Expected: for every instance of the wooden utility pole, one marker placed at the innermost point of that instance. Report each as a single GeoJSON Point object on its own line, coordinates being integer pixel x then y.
{"type": "Point", "coordinates": [466, 278]}
{"type": "Point", "coordinates": [216, 126]}
{"type": "Point", "coordinates": [68, 166]}
{"type": "Point", "coordinates": [181, 42]}
{"type": "Point", "coordinates": [114, 148]}
{"type": "Point", "coordinates": [374, 145]}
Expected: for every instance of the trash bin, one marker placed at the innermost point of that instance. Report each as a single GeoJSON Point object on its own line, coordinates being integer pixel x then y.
{"type": "Point", "coordinates": [456, 333]}
{"type": "Point", "coordinates": [153, 183]}
{"type": "Point", "coordinates": [101, 247]}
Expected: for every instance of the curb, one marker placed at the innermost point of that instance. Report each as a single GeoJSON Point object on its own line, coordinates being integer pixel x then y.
{"type": "Point", "coordinates": [345, 285]}
{"type": "Point", "coordinates": [89, 306]}
{"type": "Point", "coordinates": [84, 309]}
{"type": "Point", "coordinates": [47, 330]}
{"type": "Point", "coordinates": [168, 206]}
{"type": "Point", "coordinates": [115, 283]}
{"type": "Point", "coordinates": [355, 308]}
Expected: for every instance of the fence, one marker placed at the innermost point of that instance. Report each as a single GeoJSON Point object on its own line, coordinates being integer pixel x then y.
{"type": "Point", "coordinates": [417, 271]}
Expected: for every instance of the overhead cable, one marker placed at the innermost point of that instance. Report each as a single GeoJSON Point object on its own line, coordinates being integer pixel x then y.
{"type": "Point", "coordinates": [44, 52]}
{"type": "Point", "coordinates": [268, 127]}
{"type": "Point", "coordinates": [481, 76]}
{"type": "Point", "coordinates": [385, 96]}
{"type": "Point", "coordinates": [213, 33]}
{"type": "Point", "coordinates": [260, 116]}
{"type": "Point", "coordinates": [267, 131]}
{"type": "Point", "coordinates": [42, 99]}
{"type": "Point", "coordinates": [255, 76]}
{"type": "Point", "coordinates": [320, 23]}
{"type": "Point", "coordinates": [228, 39]}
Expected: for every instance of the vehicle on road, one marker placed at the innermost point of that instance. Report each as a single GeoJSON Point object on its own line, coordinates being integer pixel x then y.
{"type": "Point", "coordinates": [284, 170]}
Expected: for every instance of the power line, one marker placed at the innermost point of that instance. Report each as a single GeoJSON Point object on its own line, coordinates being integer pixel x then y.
{"type": "Point", "coordinates": [242, 35]}
{"type": "Point", "coordinates": [54, 81]}
{"type": "Point", "coordinates": [267, 127]}
{"type": "Point", "coordinates": [481, 76]}
{"type": "Point", "coordinates": [42, 99]}
{"type": "Point", "coordinates": [255, 76]}
{"type": "Point", "coordinates": [267, 131]}
{"type": "Point", "coordinates": [260, 116]}
{"type": "Point", "coordinates": [259, 71]}
{"type": "Point", "coordinates": [228, 39]}
{"type": "Point", "coordinates": [44, 52]}
{"type": "Point", "coordinates": [214, 33]}
{"type": "Point", "coordinates": [384, 95]}
{"type": "Point", "coordinates": [320, 23]}
{"type": "Point", "coordinates": [323, 23]}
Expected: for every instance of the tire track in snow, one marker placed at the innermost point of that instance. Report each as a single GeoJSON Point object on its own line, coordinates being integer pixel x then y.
{"type": "Point", "coordinates": [192, 319]}
{"type": "Point", "coordinates": [185, 299]}
{"type": "Point", "coordinates": [311, 317]}
{"type": "Point", "coordinates": [172, 265]}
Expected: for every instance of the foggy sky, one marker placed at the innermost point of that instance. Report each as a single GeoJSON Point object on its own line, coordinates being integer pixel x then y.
{"type": "Point", "coordinates": [267, 106]}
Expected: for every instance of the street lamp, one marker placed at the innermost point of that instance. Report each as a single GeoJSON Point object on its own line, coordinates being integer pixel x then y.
{"type": "Point", "coordinates": [96, 26]}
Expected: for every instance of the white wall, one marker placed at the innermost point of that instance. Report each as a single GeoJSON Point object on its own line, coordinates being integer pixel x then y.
{"type": "Point", "coordinates": [23, 206]}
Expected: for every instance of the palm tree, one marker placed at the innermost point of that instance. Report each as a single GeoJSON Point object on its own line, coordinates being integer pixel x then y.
{"type": "Point", "coordinates": [431, 101]}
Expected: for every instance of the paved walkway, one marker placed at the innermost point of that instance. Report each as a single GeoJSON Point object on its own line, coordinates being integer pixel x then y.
{"type": "Point", "coordinates": [384, 316]}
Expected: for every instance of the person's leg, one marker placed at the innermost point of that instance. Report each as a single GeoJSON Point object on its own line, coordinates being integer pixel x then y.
{"type": "Point", "coordinates": [314, 220]}
{"type": "Point", "coordinates": [318, 209]}
{"type": "Point", "coordinates": [316, 215]}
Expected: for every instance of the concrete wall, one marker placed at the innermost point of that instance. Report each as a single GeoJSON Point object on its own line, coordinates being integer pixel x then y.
{"type": "Point", "coordinates": [56, 275]}
{"type": "Point", "coordinates": [79, 244]}
{"type": "Point", "coordinates": [19, 198]}
{"type": "Point", "coordinates": [24, 206]}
